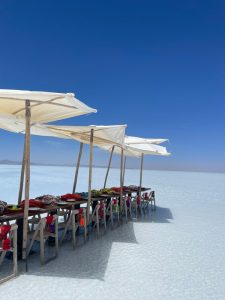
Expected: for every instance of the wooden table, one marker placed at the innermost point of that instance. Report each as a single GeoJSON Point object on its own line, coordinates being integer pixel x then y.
{"type": "Point", "coordinates": [136, 190]}
{"type": "Point", "coordinates": [18, 218]}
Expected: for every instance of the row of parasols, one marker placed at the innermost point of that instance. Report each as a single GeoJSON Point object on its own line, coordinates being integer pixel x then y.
{"type": "Point", "coordinates": [29, 112]}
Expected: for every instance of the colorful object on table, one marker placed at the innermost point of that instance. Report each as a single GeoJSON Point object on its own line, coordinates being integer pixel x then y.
{"type": "Point", "coordinates": [48, 199]}
{"type": "Point", "coordinates": [118, 189]}
{"type": "Point", "coordinates": [107, 191]}
{"type": "Point", "coordinates": [3, 206]}
{"type": "Point", "coordinates": [95, 193]}
{"type": "Point", "coordinates": [133, 187]}
{"type": "Point", "coordinates": [126, 188]}
{"type": "Point", "coordinates": [71, 196]}
{"type": "Point", "coordinates": [33, 203]}
{"type": "Point", "coordinates": [12, 209]}
{"type": "Point", "coordinates": [84, 195]}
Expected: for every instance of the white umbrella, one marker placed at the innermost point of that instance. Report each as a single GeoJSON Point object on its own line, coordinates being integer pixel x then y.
{"type": "Point", "coordinates": [38, 107]}
{"type": "Point", "coordinates": [137, 150]}
{"type": "Point", "coordinates": [104, 136]}
{"type": "Point", "coordinates": [93, 135]}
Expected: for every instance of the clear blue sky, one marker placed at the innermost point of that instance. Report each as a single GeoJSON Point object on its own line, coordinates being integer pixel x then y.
{"type": "Point", "coordinates": [158, 66]}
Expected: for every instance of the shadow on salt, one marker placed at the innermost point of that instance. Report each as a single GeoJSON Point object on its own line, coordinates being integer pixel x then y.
{"type": "Point", "coordinates": [89, 260]}
{"type": "Point", "coordinates": [161, 215]}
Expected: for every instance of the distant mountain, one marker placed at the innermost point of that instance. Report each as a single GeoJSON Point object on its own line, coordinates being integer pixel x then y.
{"type": "Point", "coordinates": [17, 163]}
{"type": "Point", "coordinates": [9, 162]}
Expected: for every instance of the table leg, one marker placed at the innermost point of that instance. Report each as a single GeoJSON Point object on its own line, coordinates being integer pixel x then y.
{"type": "Point", "coordinates": [19, 222]}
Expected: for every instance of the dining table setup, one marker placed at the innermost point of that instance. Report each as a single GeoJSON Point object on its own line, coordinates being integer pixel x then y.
{"type": "Point", "coordinates": [47, 217]}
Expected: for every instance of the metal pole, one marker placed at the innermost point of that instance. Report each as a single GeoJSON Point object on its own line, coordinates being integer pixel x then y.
{"type": "Point", "coordinates": [77, 168]}
{"type": "Point", "coordinates": [109, 165]}
{"type": "Point", "coordinates": [141, 171]}
{"type": "Point", "coordinates": [27, 178]}
{"type": "Point", "coordinates": [22, 173]}
{"type": "Point", "coordinates": [90, 174]}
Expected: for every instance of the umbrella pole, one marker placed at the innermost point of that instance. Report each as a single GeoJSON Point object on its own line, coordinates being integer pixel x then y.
{"type": "Point", "coordinates": [22, 173]}
{"type": "Point", "coordinates": [77, 168]}
{"type": "Point", "coordinates": [27, 177]}
{"type": "Point", "coordinates": [121, 184]}
{"type": "Point", "coordinates": [109, 165]}
{"type": "Point", "coordinates": [124, 168]}
{"type": "Point", "coordinates": [90, 175]}
{"type": "Point", "coordinates": [141, 172]}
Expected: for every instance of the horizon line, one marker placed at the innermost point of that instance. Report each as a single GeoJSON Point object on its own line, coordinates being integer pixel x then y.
{"type": "Point", "coordinates": [17, 163]}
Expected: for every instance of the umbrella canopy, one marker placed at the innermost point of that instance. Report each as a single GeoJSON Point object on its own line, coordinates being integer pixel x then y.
{"type": "Point", "coordinates": [137, 150]}
{"type": "Point", "coordinates": [132, 140]}
{"type": "Point", "coordinates": [148, 149]}
{"type": "Point", "coordinates": [45, 106]}
{"type": "Point", "coordinates": [33, 107]}
{"type": "Point", "coordinates": [103, 135]}
{"type": "Point", "coordinates": [136, 147]}
{"type": "Point", "coordinates": [18, 124]}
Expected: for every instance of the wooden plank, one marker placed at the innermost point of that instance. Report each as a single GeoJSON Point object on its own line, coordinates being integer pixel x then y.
{"type": "Point", "coordinates": [22, 172]}
{"type": "Point", "coordinates": [141, 172]}
{"type": "Point", "coordinates": [42, 243]}
{"type": "Point", "coordinates": [27, 181]}
{"type": "Point", "coordinates": [90, 175]}
{"type": "Point", "coordinates": [7, 278]}
{"type": "Point", "coordinates": [109, 165]}
{"type": "Point", "coordinates": [56, 235]}
{"type": "Point", "coordinates": [124, 168]}
{"type": "Point", "coordinates": [38, 102]}
{"type": "Point", "coordinates": [121, 182]}
{"type": "Point", "coordinates": [77, 168]}
{"type": "Point", "coordinates": [15, 266]}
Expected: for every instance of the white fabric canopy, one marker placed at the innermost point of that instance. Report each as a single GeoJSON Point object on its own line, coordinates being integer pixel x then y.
{"type": "Point", "coordinates": [148, 149]}
{"type": "Point", "coordinates": [17, 125]}
{"type": "Point", "coordinates": [130, 140]}
{"type": "Point", "coordinates": [103, 135]}
{"type": "Point", "coordinates": [138, 149]}
{"type": "Point", "coordinates": [45, 106]}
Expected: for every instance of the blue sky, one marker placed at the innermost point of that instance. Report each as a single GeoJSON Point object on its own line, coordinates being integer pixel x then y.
{"type": "Point", "coordinates": [158, 66]}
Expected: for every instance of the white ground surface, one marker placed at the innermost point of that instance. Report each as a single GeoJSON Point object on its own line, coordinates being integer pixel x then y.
{"type": "Point", "coordinates": [177, 252]}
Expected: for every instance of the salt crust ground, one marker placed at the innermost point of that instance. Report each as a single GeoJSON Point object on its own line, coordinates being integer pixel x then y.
{"type": "Point", "coordinates": [175, 253]}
